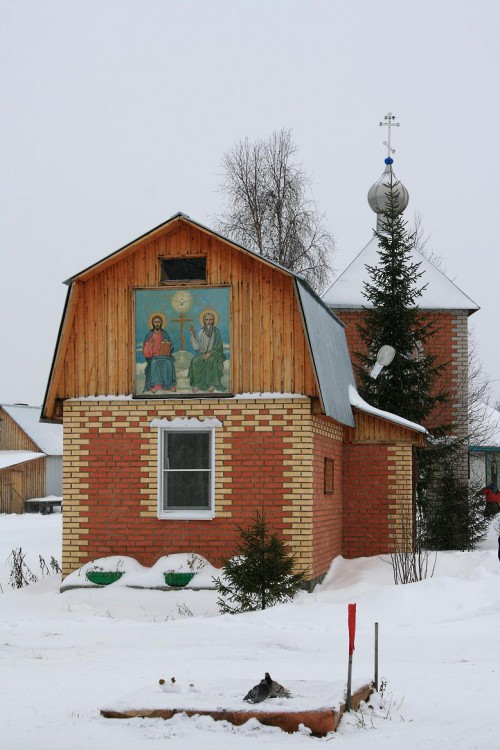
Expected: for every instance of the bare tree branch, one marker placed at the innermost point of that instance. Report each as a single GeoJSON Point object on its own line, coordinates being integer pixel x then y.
{"type": "Point", "coordinates": [421, 243]}
{"type": "Point", "coordinates": [268, 209]}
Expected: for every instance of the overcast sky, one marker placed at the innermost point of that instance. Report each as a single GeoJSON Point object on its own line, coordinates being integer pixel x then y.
{"type": "Point", "coordinates": [114, 115]}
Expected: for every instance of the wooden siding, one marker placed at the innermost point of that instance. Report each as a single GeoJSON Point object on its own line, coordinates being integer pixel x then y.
{"type": "Point", "coordinates": [20, 483]}
{"type": "Point", "coordinates": [372, 429]}
{"type": "Point", "coordinates": [12, 437]}
{"type": "Point", "coordinates": [269, 351]}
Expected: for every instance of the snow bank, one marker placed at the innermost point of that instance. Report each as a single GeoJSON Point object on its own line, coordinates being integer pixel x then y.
{"type": "Point", "coordinates": [138, 576]}
{"type": "Point", "coordinates": [66, 656]}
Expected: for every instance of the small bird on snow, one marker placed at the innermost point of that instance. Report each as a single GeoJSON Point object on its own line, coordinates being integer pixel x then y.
{"type": "Point", "coordinates": [258, 693]}
{"type": "Point", "coordinates": [275, 689]}
{"type": "Point", "coordinates": [170, 686]}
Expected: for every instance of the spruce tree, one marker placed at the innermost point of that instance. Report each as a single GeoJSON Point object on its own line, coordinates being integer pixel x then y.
{"type": "Point", "coordinates": [450, 517]}
{"type": "Point", "coordinates": [454, 516]}
{"type": "Point", "coordinates": [406, 386]}
{"type": "Point", "coordinates": [260, 574]}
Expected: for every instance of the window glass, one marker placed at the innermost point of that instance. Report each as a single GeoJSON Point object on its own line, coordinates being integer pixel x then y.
{"type": "Point", "coordinates": [186, 481]}
{"type": "Point", "coordinates": [185, 489]}
{"type": "Point", "coordinates": [183, 269]}
{"type": "Point", "coordinates": [186, 450]}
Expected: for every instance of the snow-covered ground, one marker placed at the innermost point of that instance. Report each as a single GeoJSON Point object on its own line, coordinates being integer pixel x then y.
{"type": "Point", "coordinates": [65, 656]}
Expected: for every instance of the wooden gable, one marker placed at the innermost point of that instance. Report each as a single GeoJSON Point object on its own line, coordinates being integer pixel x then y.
{"type": "Point", "coordinates": [12, 436]}
{"type": "Point", "coordinates": [94, 353]}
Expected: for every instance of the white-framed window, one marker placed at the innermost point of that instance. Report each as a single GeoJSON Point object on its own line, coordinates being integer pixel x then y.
{"type": "Point", "coordinates": [186, 468]}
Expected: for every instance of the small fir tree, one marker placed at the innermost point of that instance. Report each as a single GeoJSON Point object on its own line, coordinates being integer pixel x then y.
{"type": "Point", "coordinates": [454, 515]}
{"type": "Point", "coordinates": [407, 386]}
{"type": "Point", "coordinates": [260, 574]}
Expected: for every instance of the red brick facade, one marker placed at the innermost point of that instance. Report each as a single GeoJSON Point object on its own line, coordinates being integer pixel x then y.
{"type": "Point", "coordinates": [262, 461]}
{"type": "Point", "coordinates": [366, 502]}
{"type": "Point", "coordinates": [116, 526]}
{"type": "Point", "coordinates": [448, 345]}
{"type": "Point", "coordinates": [328, 507]}
{"type": "Point", "coordinates": [269, 454]}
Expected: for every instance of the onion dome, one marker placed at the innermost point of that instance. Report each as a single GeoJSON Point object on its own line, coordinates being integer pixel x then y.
{"type": "Point", "coordinates": [379, 191]}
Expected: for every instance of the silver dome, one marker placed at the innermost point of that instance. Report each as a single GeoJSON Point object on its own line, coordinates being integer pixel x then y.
{"type": "Point", "coordinates": [378, 193]}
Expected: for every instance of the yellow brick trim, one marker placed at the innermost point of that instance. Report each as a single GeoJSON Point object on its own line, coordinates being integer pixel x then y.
{"type": "Point", "coordinates": [400, 521]}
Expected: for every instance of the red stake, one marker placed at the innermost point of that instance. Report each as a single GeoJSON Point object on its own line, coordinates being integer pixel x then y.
{"type": "Point", "coordinates": [351, 623]}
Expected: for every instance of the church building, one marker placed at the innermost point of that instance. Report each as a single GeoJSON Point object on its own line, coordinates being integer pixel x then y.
{"type": "Point", "coordinates": [199, 383]}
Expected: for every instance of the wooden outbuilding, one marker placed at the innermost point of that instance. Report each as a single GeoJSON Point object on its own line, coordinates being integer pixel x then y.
{"type": "Point", "coordinates": [198, 383]}
{"type": "Point", "coordinates": [30, 457]}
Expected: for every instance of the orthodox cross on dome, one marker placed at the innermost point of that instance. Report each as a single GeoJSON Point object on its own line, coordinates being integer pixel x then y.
{"type": "Point", "coordinates": [389, 123]}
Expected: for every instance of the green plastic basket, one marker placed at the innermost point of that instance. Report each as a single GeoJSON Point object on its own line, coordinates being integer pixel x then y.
{"type": "Point", "coordinates": [178, 579]}
{"type": "Point", "coordinates": [102, 577]}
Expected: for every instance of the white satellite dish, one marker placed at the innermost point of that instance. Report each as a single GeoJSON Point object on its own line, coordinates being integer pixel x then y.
{"type": "Point", "coordinates": [385, 355]}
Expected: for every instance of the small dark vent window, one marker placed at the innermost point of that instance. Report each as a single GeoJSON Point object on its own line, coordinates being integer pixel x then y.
{"type": "Point", "coordinates": [183, 269]}
{"type": "Point", "coordinates": [329, 476]}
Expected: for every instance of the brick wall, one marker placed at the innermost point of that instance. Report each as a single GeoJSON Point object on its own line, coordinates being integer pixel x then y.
{"type": "Point", "coordinates": [449, 344]}
{"type": "Point", "coordinates": [263, 458]}
{"type": "Point", "coordinates": [366, 502]}
{"type": "Point", "coordinates": [327, 523]}
{"type": "Point", "coordinates": [268, 453]}
{"type": "Point", "coordinates": [378, 504]}
{"type": "Point", "coordinates": [400, 497]}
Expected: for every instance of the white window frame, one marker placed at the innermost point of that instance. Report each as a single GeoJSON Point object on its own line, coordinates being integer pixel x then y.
{"type": "Point", "coordinates": [192, 425]}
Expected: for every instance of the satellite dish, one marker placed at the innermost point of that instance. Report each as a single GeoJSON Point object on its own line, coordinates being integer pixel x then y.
{"type": "Point", "coordinates": [385, 355]}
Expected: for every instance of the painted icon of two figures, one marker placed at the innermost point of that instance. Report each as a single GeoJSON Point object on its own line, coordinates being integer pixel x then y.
{"type": "Point", "coordinates": [206, 367]}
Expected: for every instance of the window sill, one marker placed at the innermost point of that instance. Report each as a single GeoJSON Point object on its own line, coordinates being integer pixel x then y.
{"type": "Point", "coordinates": [186, 515]}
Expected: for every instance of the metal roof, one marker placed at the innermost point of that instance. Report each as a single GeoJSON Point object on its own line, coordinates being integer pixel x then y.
{"type": "Point", "coordinates": [330, 354]}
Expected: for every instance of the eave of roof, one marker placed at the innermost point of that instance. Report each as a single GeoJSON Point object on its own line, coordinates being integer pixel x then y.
{"type": "Point", "coordinates": [14, 458]}
{"type": "Point", "coordinates": [358, 403]}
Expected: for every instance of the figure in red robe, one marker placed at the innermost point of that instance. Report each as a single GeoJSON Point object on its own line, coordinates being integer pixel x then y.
{"type": "Point", "coordinates": [160, 365]}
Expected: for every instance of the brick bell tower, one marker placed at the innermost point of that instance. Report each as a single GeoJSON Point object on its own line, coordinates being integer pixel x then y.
{"type": "Point", "coordinates": [444, 301]}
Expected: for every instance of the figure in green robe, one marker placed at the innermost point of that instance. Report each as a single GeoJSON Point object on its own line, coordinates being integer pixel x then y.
{"type": "Point", "coordinates": [207, 365]}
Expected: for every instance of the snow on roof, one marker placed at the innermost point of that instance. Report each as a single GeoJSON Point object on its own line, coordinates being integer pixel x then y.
{"type": "Point", "coordinates": [361, 404]}
{"type": "Point", "coordinates": [440, 294]}
{"type": "Point", "coordinates": [12, 458]}
{"type": "Point", "coordinates": [237, 396]}
{"type": "Point", "coordinates": [48, 437]}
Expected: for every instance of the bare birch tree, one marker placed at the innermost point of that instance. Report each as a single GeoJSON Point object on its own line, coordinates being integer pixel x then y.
{"type": "Point", "coordinates": [269, 209]}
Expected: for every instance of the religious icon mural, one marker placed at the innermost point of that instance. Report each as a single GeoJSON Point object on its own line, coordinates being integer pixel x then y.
{"type": "Point", "coordinates": [182, 341]}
